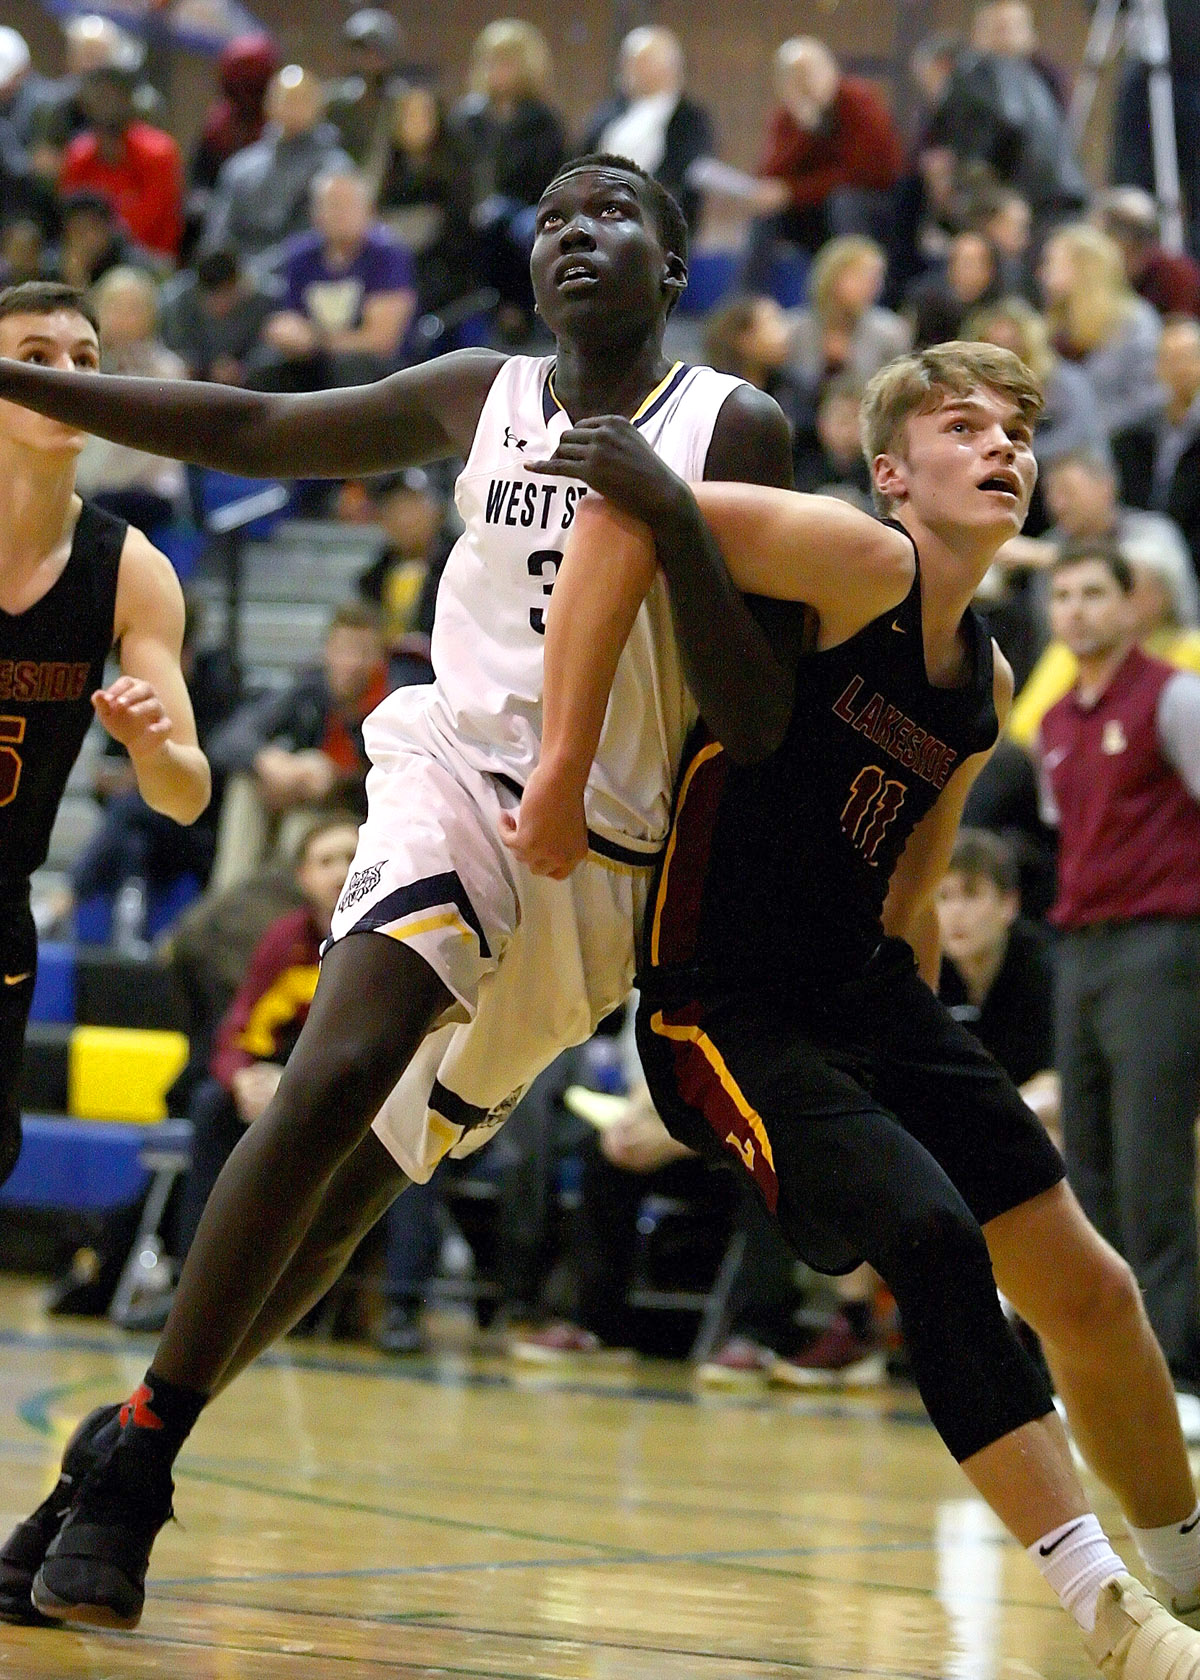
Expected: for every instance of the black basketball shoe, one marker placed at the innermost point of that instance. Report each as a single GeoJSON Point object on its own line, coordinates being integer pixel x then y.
{"type": "Point", "coordinates": [22, 1553]}
{"type": "Point", "coordinates": [95, 1567]}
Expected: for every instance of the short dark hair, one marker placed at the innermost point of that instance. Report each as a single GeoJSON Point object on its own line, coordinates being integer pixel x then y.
{"type": "Point", "coordinates": [981, 855]}
{"type": "Point", "coordinates": [46, 297]}
{"type": "Point", "coordinates": [669, 219]}
{"type": "Point", "coordinates": [217, 269]}
{"type": "Point", "coordinates": [1083, 549]}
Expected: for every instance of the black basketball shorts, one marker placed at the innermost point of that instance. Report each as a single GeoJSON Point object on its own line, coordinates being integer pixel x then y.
{"type": "Point", "coordinates": [845, 1103]}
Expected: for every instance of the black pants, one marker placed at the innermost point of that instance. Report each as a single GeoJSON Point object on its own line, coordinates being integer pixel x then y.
{"type": "Point", "coordinates": [875, 1128]}
{"type": "Point", "coordinates": [18, 968]}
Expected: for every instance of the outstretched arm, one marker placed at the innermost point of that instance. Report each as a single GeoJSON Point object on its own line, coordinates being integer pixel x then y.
{"type": "Point", "coordinates": [419, 414]}
{"type": "Point", "coordinates": [148, 708]}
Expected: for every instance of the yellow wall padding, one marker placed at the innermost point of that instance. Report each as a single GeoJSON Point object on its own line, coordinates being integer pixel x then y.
{"type": "Point", "coordinates": [122, 1073]}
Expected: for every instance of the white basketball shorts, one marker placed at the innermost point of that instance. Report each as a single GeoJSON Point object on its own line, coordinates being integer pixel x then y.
{"type": "Point", "coordinates": [534, 965]}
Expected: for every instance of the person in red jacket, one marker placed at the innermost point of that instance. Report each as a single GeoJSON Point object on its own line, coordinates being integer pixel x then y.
{"type": "Point", "coordinates": [831, 157]}
{"type": "Point", "coordinates": [135, 166]}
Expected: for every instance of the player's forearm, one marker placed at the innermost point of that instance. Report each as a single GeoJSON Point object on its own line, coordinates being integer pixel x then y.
{"type": "Point", "coordinates": [607, 567]}
{"type": "Point", "coordinates": [173, 779]}
{"type": "Point", "coordinates": [743, 690]}
{"type": "Point", "coordinates": [250, 433]}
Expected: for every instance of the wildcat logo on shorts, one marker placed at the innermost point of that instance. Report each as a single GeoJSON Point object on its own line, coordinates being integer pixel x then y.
{"type": "Point", "coordinates": [362, 882]}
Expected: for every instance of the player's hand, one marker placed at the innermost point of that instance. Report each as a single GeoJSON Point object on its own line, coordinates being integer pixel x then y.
{"type": "Point", "coordinates": [133, 714]}
{"type": "Point", "coordinates": [612, 457]}
{"type": "Point", "coordinates": [639, 1142]}
{"type": "Point", "coordinates": [548, 831]}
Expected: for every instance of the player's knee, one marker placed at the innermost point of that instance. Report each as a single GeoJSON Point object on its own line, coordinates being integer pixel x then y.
{"type": "Point", "coordinates": [1095, 1300]}
{"type": "Point", "coordinates": [936, 1250]}
{"type": "Point", "coordinates": [344, 1077]}
{"type": "Point", "coordinates": [10, 1141]}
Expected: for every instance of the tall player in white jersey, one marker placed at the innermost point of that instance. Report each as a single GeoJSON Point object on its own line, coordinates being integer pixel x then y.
{"type": "Point", "coordinates": [474, 973]}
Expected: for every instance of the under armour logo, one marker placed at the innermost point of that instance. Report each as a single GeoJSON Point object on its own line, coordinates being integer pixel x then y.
{"type": "Point", "coordinates": [137, 1410]}
{"type": "Point", "coordinates": [512, 440]}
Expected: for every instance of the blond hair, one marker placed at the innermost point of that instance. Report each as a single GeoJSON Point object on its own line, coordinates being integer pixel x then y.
{"type": "Point", "coordinates": [1028, 328]}
{"type": "Point", "coordinates": [832, 261]}
{"type": "Point", "coordinates": [920, 383]}
{"type": "Point", "coordinates": [1101, 297]}
{"type": "Point", "coordinates": [520, 40]}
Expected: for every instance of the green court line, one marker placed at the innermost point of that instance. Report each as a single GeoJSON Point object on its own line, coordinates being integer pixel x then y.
{"type": "Point", "coordinates": [515, 1635]}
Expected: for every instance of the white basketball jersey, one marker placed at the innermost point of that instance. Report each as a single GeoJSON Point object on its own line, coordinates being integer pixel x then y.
{"type": "Point", "coordinates": [489, 627]}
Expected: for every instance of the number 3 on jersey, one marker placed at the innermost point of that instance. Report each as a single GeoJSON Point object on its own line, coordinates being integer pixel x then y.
{"type": "Point", "coordinates": [543, 563]}
{"type": "Point", "coordinates": [12, 733]}
{"type": "Point", "coordinates": [873, 805]}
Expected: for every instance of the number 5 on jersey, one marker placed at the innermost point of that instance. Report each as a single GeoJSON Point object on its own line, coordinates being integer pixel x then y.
{"type": "Point", "coordinates": [12, 733]}
{"type": "Point", "coordinates": [873, 805]}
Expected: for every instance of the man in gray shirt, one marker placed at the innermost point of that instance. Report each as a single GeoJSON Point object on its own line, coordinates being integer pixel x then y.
{"type": "Point", "coordinates": [262, 193]}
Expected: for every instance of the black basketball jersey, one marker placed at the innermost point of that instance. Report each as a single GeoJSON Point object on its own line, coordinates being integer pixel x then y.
{"type": "Point", "coordinates": [51, 661]}
{"type": "Point", "coordinates": [777, 872]}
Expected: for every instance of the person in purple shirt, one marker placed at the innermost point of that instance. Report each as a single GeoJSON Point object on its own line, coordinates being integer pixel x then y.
{"type": "Point", "coordinates": [349, 292]}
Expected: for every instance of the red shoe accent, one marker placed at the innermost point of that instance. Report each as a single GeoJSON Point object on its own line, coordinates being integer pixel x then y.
{"type": "Point", "coordinates": [138, 1411]}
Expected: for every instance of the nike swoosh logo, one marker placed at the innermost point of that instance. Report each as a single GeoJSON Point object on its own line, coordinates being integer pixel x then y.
{"type": "Point", "coordinates": [1186, 1528]}
{"type": "Point", "coordinates": [16, 979]}
{"type": "Point", "coordinates": [1044, 1551]}
{"type": "Point", "coordinates": [899, 628]}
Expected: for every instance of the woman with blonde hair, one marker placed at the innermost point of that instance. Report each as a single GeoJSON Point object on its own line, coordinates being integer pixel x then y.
{"type": "Point", "coordinates": [1070, 420]}
{"type": "Point", "coordinates": [844, 330]}
{"type": "Point", "coordinates": [1097, 321]}
{"type": "Point", "coordinates": [515, 142]}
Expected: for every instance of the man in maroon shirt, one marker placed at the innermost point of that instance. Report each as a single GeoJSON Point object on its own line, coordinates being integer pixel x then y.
{"type": "Point", "coordinates": [135, 166]}
{"type": "Point", "coordinates": [831, 156]}
{"type": "Point", "coordinates": [1120, 757]}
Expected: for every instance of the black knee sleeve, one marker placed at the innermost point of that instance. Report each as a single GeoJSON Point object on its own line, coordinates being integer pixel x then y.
{"type": "Point", "coordinates": [976, 1380]}
{"type": "Point", "coordinates": [10, 1141]}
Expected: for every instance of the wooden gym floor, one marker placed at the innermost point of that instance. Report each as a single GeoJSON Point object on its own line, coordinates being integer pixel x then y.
{"type": "Point", "coordinates": [343, 1517]}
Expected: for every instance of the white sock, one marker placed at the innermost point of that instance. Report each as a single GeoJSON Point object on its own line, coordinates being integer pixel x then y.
{"type": "Point", "coordinates": [1077, 1560]}
{"type": "Point", "coordinates": [1173, 1552]}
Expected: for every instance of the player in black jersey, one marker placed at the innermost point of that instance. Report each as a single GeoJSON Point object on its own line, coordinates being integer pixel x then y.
{"type": "Point", "coordinates": [74, 583]}
{"type": "Point", "coordinates": [787, 1023]}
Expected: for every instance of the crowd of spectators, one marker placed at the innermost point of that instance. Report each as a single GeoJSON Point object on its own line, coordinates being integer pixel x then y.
{"type": "Point", "coordinates": [326, 232]}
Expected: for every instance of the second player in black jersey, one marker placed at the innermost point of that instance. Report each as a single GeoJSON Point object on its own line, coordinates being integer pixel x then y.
{"type": "Point", "coordinates": [74, 584]}
{"type": "Point", "coordinates": [787, 1024]}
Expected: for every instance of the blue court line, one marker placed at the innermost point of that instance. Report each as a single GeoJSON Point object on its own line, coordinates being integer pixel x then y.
{"type": "Point", "coordinates": [625, 1556]}
{"type": "Point", "coordinates": [202, 1464]}
{"type": "Point", "coordinates": [434, 1375]}
{"type": "Point", "coordinates": [516, 1635]}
